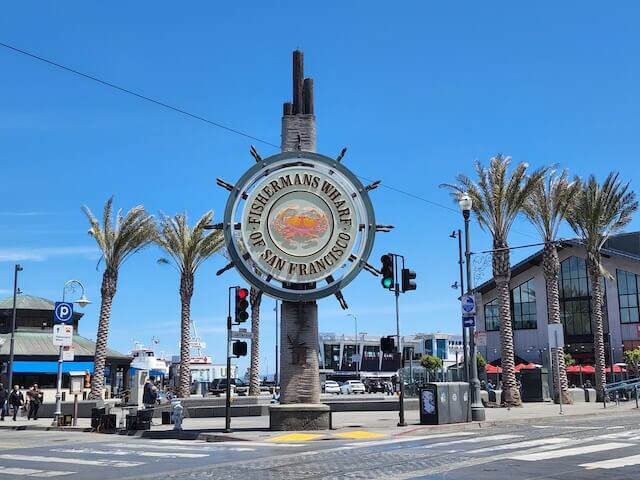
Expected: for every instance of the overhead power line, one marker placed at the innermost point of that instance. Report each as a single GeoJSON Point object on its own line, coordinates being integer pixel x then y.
{"type": "Point", "coordinates": [195, 116]}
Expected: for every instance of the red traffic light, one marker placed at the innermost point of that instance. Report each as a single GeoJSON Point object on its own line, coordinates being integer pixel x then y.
{"type": "Point", "coordinates": [243, 293]}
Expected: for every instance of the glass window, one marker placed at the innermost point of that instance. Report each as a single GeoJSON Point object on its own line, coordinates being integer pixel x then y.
{"type": "Point", "coordinates": [491, 317]}
{"type": "Point", "coordinates": [441, 348]}
{"type": "Point", "coordinates": [575, 296]}
{"type": "Point", "coordinates": [628, 296]}
{"type": "Point", "coordinates": [523, 306]}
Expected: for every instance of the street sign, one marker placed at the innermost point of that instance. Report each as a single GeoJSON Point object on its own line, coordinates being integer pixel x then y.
{"type": "Point", "coordinates": [556, 335]}
{"type": "Point", "coordinates": [63, 313]}
{"type": "Point", "coordinates": [468, 321]}
{"type": "Point", "coordinates": [241, 333]}
{"type": "Point", "coordinates": [68, 354]}
{"type": "Point", "coordinates": [62, 335]}
{"type": "Point", "coordinates": [468, 305]}
{"type": "Point", "coordinates": [480, 339]}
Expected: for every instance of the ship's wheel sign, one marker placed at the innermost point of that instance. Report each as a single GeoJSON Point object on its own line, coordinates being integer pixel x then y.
{"type": "Point", "coordinates": [299, 226]}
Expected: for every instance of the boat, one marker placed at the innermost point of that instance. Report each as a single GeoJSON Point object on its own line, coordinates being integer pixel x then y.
{"type": "Point", "coordinates": [145, 359]}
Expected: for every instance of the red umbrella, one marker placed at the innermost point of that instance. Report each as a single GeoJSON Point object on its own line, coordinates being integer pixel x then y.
{"type": "Point", "coordinates": [491, 369]}
{"type": "Point", "coordinates": [525, 366]}
{"type": "Point", "coordinates": [616, 369]}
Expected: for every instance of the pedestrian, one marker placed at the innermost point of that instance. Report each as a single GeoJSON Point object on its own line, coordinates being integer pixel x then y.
{"type": "Point", "coordinates": [35, 399]}
{"type": "Point", "coordinates": [16, 400]}
{"type": "Point", "coordinates": [4, 396]}
{"type": "Point", "coordinates": [150, 393]}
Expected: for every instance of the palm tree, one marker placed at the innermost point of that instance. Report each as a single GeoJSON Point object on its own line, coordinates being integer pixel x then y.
{"type": "Point", "coordinates": [546, 209]}
{"type": "Point", "coordinates": [600, 211]}
{"type": "Point", "coordinates": [497, 200]}
{"type": "Point", "coordinates": [117, 241]}
{"type": "Point", "coordinates": [255, 297]}
{"type": "Point", "coordinates": [187, 249]}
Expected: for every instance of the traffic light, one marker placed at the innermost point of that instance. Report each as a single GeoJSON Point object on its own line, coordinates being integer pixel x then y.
{"type": "Point", "coordinates": [408, 280]}
{"type": "Point", "coordinates": [387, 344]}
{"type": "Point", "coordinates": [242, 294]}
{"type": "Point", "coordinates": [387, 271]}
{"type": "Point", "coordinates": [239, 348]}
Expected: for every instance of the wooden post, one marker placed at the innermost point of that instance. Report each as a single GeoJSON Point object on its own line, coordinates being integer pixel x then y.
{"type": "Point", "coordinates": [298, 79]}
{"type": "Point", "coordinates": [307, 94]}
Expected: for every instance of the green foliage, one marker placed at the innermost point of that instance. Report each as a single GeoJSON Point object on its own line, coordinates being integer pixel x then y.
{"type": "Point", "coordinates": [568, 360]}
{"type": "Point", "coordinates": [431, 363]}
{"type": "Point", "coordinates": [481, 361]}
{"type": "Point", "coordinates": [632, 358]}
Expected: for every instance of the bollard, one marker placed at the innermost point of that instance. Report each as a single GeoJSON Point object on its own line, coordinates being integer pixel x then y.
{"type": "Point", "coordinates": [178, 411]}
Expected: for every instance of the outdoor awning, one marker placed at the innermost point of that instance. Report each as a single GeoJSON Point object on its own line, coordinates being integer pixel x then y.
{"type": "Point", "coordinates": [581, 369]}
{"type": "Point", "coordinates": [51, 367]}
{"type": "Point", "coordinates": [525, 366]}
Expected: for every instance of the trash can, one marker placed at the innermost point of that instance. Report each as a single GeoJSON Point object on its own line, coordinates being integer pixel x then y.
{"type": "Point", "coordinates": [444, 402]}
{"type": "Point", "coordinates": [132, 422]}
{"type": "Point", "coordinates": [459, 400]}
{"type": "Point", "coordinates": [109, 422]}
{"type": "Point", "coordinates": [96, 414]}
{"type": "Point", "coordinates": [144, 419]}
{"type": "Point", "coordinates": [166, 418]}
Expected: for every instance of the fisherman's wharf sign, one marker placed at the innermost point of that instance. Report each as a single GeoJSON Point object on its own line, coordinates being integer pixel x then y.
{"type": "Point", "coordinates": [299, 226]}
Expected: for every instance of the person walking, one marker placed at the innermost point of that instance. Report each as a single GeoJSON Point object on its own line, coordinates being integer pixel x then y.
{"type": "Point", "coordinates": [16, 400]}
{"type": "Point", "coordinates": [4, 397]}
{"type": "Point", "coordinates": [150, 393]}
{"type": "Point", "coordinates": [35, 399]}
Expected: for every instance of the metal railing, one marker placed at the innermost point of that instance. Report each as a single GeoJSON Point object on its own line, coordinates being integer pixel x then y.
{"type": "Point", "coordinates": [628, 385]}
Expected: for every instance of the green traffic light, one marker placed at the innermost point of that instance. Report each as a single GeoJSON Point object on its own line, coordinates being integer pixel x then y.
{"type": "Point", "coordinates": [387, 282]}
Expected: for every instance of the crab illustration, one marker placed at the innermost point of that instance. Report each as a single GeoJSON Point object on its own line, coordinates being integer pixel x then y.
{"type": "Point", "coordinates": [300, 224]}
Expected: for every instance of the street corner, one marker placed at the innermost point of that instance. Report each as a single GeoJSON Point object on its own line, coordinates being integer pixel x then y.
{"type": "Point", "coordinates": [360, 435]}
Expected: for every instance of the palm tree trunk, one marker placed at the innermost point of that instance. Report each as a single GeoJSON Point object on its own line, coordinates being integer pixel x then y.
{"type": "Point", "coordinates": [597, 322]}
{"type": "Point", "coordinates": [107, 291]}
{"type": "Point", "coordinates": [186, 292]}
{"type": "Point", "coordinates": [255, 297]}
{"type": "Point", "coordinates": [551, 269]}
{"type": "Point", "coordinates": [502, 275]}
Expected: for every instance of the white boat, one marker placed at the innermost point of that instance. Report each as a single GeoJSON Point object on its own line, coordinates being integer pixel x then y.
{"type": "Point", "coordinates": [145, 359]}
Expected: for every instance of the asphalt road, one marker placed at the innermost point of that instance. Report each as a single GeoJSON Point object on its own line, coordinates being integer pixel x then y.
{"type": "Point", "coordinates": [606, 447]}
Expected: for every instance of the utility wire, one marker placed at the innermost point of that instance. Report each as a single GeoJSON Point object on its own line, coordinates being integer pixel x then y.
{"type": "Point", "coordinates": [197, 117]}
{"type": "Point", "coordinates": [139, 95]}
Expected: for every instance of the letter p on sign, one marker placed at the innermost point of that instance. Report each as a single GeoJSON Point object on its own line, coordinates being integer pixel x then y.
{"type": "Point", "coordinates": [63, 312]}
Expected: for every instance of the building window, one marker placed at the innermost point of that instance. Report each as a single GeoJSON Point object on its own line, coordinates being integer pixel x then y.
{"type": "Point", "coordinates": [628, 296]}
{"type": "Point", "coordinates": [332, 356]}
{"type": "Point", "coordinates": [441, 348]}
{"type": "Point", "coordinates": [491, 317]}
{"type": "Point", "coordinates": [428, 347]}
{"type": "Point", "coordinates": [575, 296]}
{"type": "Point", "coordinates": [523, 306]}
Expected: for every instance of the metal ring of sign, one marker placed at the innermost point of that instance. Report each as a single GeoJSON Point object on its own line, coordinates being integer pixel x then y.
{"type": "Point", "coordinates": [261, 279]}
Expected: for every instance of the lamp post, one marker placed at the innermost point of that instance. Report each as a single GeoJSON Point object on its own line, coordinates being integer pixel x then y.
{"type": "Point", "coordinates": [355, 319]}
{"type": "Point", "coordinates": [465, 343]}
{"type": "Point", "coordinates": [17, 269]}
{"type": "Point", "coordinates": [83, 301]}
{"type": "Point", "coordinates": [477, 409]}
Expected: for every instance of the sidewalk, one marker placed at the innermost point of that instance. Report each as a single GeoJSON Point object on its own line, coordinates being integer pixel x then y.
{"type": "Point", "coordinates": [356, 425]}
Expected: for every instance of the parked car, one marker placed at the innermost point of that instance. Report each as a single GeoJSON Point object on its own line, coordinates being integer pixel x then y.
{"type": "Point", "coordinates": [219, 386]}
{"type": "Point", "coordinates": [374, 385]}
{"type": "Point", "coordinates": [331, 386]}
{"type": "Point", "coordinates": [352, 386]}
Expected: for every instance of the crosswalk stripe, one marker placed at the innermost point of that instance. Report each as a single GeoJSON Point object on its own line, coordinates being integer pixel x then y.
{"type": "Point", "coordinates": [613, 463]}
{"type": "Point", "coordinates": [141, 453]}
{"type": "Point", "coordinates": [410, 439]}
{"type": "Point", "coordinates": [627, 435]}
{"type": "Point", "coordinates": [525, 444]}
{"type": "Point", "coordinates": [569, 452]}
{"type": "Point", "coordinates": [30, 472]}
{"type": "Point", "coordinates": [77, 461]}
{"type": "Point", "coordinates": [490, 438]}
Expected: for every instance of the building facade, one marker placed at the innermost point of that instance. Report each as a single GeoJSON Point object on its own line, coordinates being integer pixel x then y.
{"type": "Point", "coordinates": [342, 355]}
{"type": "Point", "coordinates": [620, 257]}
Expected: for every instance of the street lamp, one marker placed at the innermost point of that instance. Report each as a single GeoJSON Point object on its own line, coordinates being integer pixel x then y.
{"type": "Point", "coordinates": [83, 301]}
{"type": "Point", "coordinates": [355, 319]}
{"type": "Point", "coordinates": [477, 409]}
{"type": "Point", "coordinates": [17, 269]}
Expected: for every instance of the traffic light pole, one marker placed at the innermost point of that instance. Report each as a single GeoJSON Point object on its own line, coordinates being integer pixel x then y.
{"type": "Point", "coordinates": [227, 410]}
{"type": "Point", "coordinates": [401, 421]}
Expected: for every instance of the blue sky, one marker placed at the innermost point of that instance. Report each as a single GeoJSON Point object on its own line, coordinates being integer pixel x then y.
{"type": "Point", "coordinates": [417, 91]}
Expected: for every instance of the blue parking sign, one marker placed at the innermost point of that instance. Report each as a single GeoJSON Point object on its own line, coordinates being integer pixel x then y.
{"type": "Point", "coordinates": [63, 313]}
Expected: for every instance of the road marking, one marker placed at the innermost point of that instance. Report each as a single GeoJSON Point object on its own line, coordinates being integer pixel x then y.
{"type": "Point", "coordinates": [627, 435]}
{"type": "Point", "coordinates": [295, 437]}
{"type": "Point", "coordinates": [568, 428]}
{"type": "Point", "coordinates": [525, 444]}
{"type": "Point", "coordinates": [613, 463]}
{"type": "Point", "coordinates": [77, 461]}
{"type": "Point", "coordinates": [410, 439]}
{"type": "Point", "coordinates": [141, 453]}
{"type": "Point", "coordinates": [490, 438]}
{"type": "Point", "coordinates": [30, 472]}
{"type": "Point", "coordinates": [359, 435]}
{"type": "Point", "coordinates": [569, 452]}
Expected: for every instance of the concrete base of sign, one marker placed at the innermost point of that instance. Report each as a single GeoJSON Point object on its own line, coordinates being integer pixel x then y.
{"type": "Point", "coordinates": [299, 416]}
{"type": "Point", "coordinates": [578, 395]}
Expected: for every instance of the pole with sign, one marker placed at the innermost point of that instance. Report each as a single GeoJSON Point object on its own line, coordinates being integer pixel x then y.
{"type": "Point", "coordinates": [556, 341]}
